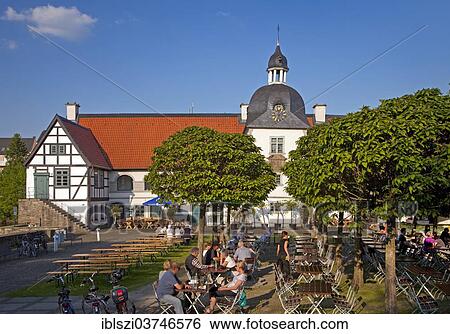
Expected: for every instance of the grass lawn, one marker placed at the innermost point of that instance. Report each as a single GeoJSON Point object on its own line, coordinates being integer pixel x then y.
{"type": "Point", "coordinates": [136, 278]}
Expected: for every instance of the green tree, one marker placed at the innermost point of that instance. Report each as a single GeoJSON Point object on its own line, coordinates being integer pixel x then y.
{"type": "Point", "coordinates": [12, 188]}
{"type": "Point", "coordinates": [397, 152]}
{"type": "Point", "coordinates": [17, 150]}
{"type": "Point", "coordinates": [12, 178]}
{"type": "Point", "coordinates": [200, 166]}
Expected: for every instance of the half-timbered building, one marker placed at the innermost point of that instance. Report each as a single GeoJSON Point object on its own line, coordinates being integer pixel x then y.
{"type": "Point", "coordinates": [83, 162]}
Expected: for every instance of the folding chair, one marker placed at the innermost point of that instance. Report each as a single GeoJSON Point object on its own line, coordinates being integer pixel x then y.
{"type": "Point", "coordinates": [164, 307]}
{"type": "Point", "coordinates": [227, 304]}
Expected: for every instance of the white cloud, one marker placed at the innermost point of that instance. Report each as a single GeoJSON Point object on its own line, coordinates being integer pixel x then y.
{"type": "Point", "coordinates": [64, 22]}
{"type": "Point", "coordinates": [10, 44]}
{"type": "Point", "coordinates": [222, 13]}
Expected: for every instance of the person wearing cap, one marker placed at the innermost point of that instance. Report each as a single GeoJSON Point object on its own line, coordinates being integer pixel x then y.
{"type": "Point", "coordinates": [212, 254]}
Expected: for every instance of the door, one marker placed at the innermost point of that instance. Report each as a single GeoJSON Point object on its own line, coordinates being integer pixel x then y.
{"type": "Point", "coordinates": [41, 186]}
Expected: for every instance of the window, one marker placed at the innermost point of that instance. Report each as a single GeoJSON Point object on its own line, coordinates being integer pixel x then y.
{"type": "Point", "coordinates": [62, 178]}
{"type": "Point", "coordinates": [124, 183]}
{"type": "Point", "coordinates": [277, 145]}
{"type": "Point", "coordinates": [278, 179]}
{"type": "Point", "coordinates": [61, 149]}
{"type": "Point", "coordinates": [98, 179]}
{"type": "Point", "coordinates": [146, 186]}
{"type": "Point", "coordinates": [57, 149]}
{"type": "Point", "coordinates": [274, 207]}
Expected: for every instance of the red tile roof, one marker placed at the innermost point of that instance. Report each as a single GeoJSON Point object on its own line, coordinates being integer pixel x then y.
{"type": "Point", "coordinates": [85, 140]}
{"type": "Point", "coordinates": [129, 139]}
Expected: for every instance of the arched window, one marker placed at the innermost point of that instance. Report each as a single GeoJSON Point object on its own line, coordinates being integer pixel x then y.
{"type": "Point", "coordinates": [124, 183]}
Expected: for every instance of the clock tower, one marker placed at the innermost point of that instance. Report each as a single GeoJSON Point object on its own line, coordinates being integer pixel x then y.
{"type": "Point", "coordinates": [276, 118]}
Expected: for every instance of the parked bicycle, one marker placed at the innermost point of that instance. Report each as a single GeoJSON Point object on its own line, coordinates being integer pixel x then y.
{"type": "Point", "coordinates": [119, 294]}
{"type": "Point", "coordinates": [93, 303]}
{"type": "Point", "coordinates": [64, 301]}
{"type": "Point", "coordinates": [30, 246]}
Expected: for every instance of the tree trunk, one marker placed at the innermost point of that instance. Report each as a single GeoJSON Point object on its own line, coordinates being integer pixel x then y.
{"type": "Point", "coordinates": [201, 231]}
{"type": "Point", "coordinates": [390, 293]}
{"type": "Point", "coordinates": [228, 223]}
{"type": "Point", "coordinates": [338, 256]}
{"type": "Point", "coordinates": [358, 270]}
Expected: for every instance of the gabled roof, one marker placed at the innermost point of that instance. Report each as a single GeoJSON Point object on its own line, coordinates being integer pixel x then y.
{"type": "Point", "coordinates": [129, 139]}
{"type": "Point", "coordinates": [86, 143]}
{"type": "Point", "coordinates": [5, 142]}
{"type": "Point", "coordinates": [82, 138]}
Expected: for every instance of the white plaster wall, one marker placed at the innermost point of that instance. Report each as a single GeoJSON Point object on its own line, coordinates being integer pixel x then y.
{"type": "Point", "coordinates": [30, 182]}
{"type": "Point", "coordinates": [262, 138]}
{"type": "Point", "coordinates": [135, 197]}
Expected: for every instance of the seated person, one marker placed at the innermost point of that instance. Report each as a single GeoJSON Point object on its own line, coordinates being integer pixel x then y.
{"type": "Point", "coordinates": [445, 236]}
{"type": "Point", "coordinates": [207, 247]}
{"type": "Point", "coordinates": [178, 232]}
{"type": "Point", "coordinates": [428, 243]}
{"type": "Point", "coordinates": [212, 254]}
{"type": "Point", "coordinates": [243, 252]}
{"type": "Point", "coordinates": [170, 231]}
{"type": "Point", "coordinates": [439, 243]}
{"type": "Point", "coordinates": [192, 264]}
{"type": "Point", "coordinates": [402, 242]}
{"type": "Point", "coordinates": [158, 229]}
{"type": "Point", "coordinates": [227, 261]}
{"type": "Point", "coordinates": [166, 266]}
{"type": "Point", "coordinates": [167, 286]}
{"type": "Point", "coordinates": [230, 290]}
{"type": "Point", "coordinates": [382, 233]}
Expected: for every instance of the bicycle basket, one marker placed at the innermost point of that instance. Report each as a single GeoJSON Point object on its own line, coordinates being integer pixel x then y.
{"type": "Point", "coordinates": [119, 295]}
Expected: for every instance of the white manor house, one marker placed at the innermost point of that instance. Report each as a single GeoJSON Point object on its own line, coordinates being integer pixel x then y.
{"type": "Point", "coordinates": [82, 163]}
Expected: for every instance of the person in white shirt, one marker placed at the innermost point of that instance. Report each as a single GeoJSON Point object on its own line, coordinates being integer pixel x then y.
{"type": "Point", "coordinates": [178, 232]}
{"type": "Point", "coordinates": [230, 290]}
{"type": "Point", "coordinates": [170, 232]}
{"type": "Point", "coordinates": [227, 260]}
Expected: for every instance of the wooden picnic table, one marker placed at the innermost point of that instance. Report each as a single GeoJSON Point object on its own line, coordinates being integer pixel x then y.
{"type": "Point", "coordinates": [444, 287]}
{"type": "Point", "coordinates": [314, 269]}
{"type": "Point", "coordinates": [426, 271]}
{"type": "Point", "coordinates": [136, 245]}
{"type": "Point", "coordinates": [306, 258]}
{"type": "Point", "coordinates": [444, 251]}
{"type": "Point", "coordinates": [315, 288]}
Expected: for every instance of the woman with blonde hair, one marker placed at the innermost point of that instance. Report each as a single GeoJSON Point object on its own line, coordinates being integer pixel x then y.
{"type": "Point", "coordinates": [229, 290]}
{"type": "Point", "coordinates": [166, 266]}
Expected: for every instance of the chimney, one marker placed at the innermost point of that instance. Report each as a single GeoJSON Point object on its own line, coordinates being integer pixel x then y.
{"type": "Point", "coordinates": [72, 111]}
{"type": "Point", "coordinates": [319, 112]}
{"type": "Point", "coordinates": [244, 108]}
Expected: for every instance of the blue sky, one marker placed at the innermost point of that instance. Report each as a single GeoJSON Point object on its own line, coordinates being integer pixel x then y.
{"type": "Point", "coordinates": [212, 54]}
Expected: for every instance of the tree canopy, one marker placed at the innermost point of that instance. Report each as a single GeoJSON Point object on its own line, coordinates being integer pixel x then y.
{"type": "Point", "coordinates": [17, 150]}
{"type": "Point", "coordinates": [201, 165]}
{"type": "Point", "coordinates": [398, 151]}
{"type": "Point", "coordinates": [12, 177]}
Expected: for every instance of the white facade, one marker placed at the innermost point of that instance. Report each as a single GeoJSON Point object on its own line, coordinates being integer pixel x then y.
{"type": "Point", "coordinates": [58, 172]}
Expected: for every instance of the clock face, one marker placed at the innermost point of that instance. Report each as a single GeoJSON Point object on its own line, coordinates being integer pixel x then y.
{"type": "Point", "coordinates": [278, 112]}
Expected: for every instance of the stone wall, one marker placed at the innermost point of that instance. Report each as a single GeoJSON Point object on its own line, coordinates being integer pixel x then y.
{"type": "Point", "coordinates": [38, 213]}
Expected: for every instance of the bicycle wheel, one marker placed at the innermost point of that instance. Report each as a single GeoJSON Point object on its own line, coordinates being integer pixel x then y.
{"type": "Point", "coordinates": [126, 308]}
{"type": "Point", "coordinates": [94, 306]}
{"type": "Point", "coordinates": [66, 308]}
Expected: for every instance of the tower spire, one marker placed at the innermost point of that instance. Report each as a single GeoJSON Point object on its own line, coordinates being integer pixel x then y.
{"type": "Point", "coordinates": [278, 34]}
